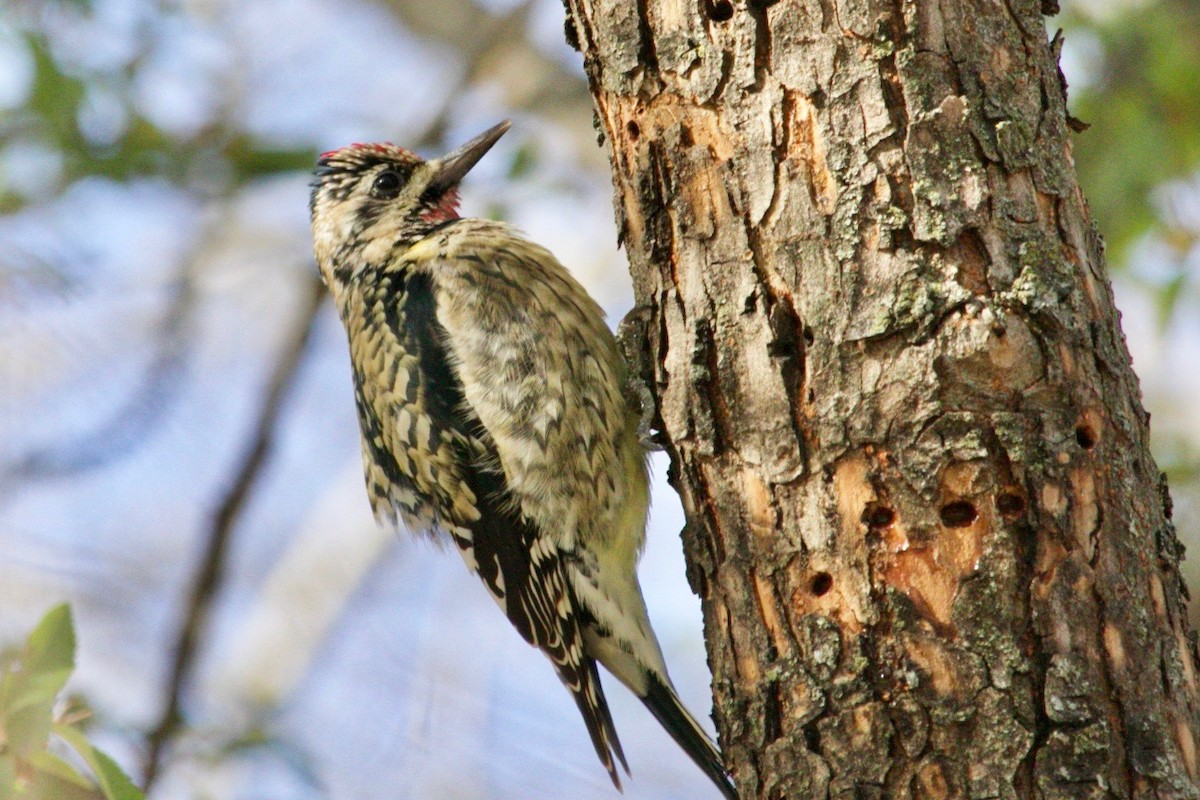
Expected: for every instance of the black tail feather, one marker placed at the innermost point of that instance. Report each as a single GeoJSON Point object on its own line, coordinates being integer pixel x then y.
{"type": "Point", "coordinates": [665, 706]}
{"type": "Point", "coordinates": [593, 707]}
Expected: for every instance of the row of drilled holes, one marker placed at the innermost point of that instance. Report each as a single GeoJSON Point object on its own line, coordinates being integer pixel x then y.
{"type": "Point", "coordinates": [955, 514]}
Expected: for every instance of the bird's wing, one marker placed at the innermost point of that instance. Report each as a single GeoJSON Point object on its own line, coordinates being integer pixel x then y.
{"type": "Point", "coordinates": [525, 573]}
{"type": "Point", "coordinates": [412, 448]}
{"type": "Point", "coordinates": [542, 372]}
{"type": "Point", "coordinates": [521, 566]}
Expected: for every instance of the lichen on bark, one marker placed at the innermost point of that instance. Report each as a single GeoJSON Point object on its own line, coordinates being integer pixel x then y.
{"type": "Point", "coordinates": [935, 554]}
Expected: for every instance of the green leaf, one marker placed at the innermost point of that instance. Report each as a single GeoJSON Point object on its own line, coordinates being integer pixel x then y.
{"type": "Point", "coordinates": [48, 786]}
{"type": "Point", "coordinates": [8, 776]}
{"type": "Point", "coordinates": [26, 690]}
{"type": "Point", "coordinates": [46, 762]}
{"type": "Point", "coordinates": [51, 646]}
{"type": "Point", "coordinates": [1142, 98]}
{"type": "Point", "coordinates": [114, 783]}
{"type": "Point", "coordinates": [29, 689]}
{"type": "Point", "coordinates": [252, 159]}
{"type": "Point", "coordinates": [56, 95]}
{"type": "Point", "coordinates": [27, 695]}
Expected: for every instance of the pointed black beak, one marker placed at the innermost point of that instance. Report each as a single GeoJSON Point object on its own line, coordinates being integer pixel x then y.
{"type": "Point", "coordinates": [452, 167]}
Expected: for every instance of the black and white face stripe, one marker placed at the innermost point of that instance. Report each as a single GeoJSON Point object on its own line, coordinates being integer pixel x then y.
{"type": "Point", "coordinates": [339, 176]}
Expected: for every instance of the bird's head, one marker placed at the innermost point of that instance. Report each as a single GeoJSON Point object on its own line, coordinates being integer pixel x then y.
{"type": "Point", "coordinates": [369, 199]}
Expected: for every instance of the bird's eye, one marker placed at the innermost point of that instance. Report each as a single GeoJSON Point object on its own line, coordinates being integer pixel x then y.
{"type": "Point", "coordinates": [386, 185]}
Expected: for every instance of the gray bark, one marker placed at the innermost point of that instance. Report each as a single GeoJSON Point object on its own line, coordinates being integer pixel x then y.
{"type": "Point", "coordinates": [934, 552]}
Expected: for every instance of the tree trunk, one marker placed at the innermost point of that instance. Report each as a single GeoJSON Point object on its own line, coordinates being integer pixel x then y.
{"type": "Point", "coordinates": [935, 554]}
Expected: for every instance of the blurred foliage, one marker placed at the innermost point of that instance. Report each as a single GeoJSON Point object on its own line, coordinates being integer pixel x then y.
{"type": "Point", "coordinates": [1142, 99]}
{"type": "Point", "coordinates": [51, 116]}
{"type": "Point", "coordinates": [31, 717]}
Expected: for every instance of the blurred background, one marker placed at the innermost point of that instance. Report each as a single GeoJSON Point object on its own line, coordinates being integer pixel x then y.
{"type": "Point", "coordinates": [178, 446]}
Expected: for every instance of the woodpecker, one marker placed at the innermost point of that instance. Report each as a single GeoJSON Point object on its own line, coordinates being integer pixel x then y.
{"type": "Point", "coordinates": [491, 399]}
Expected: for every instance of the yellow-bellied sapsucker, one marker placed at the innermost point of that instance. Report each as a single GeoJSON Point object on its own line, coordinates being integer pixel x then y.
{"type": "Point", "coordinates": [492, 402]}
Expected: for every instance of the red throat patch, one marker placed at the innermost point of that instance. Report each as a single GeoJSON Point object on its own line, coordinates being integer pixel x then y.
{"type": "Point", "coordinates": [445, 210]}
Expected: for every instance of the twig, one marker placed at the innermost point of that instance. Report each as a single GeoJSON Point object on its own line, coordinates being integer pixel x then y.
{"type": "Point", "coordinates": [490, 43]}
{"type": "Point", "coordinates": [211, 572]}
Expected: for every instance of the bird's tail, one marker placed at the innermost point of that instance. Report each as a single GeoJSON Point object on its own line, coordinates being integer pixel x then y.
{"type": "Point", "coordinates": [584, 684]}
{"type": "Point", "coordinates": [664, 704]}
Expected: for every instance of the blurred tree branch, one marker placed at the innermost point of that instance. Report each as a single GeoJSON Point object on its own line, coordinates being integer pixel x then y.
{"type": "Point", "coordinates": [212, 559]}
{"type": "Point", "coordinates": [497, 50]}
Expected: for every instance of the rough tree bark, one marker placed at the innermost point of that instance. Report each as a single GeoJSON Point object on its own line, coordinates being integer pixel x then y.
{"type": "Point", "coordinates": [935, 554]}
